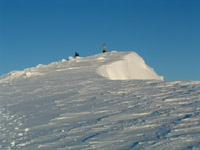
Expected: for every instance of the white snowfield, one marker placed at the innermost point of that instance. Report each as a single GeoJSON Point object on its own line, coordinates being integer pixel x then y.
{"type": "Point", "coordinates": [98, 102]}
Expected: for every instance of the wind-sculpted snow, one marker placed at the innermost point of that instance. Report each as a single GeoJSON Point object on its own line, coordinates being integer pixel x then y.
{"type": "Point", "coordinates": [132, 66]}
{"type": "Point", "coordinates": [69, 106]}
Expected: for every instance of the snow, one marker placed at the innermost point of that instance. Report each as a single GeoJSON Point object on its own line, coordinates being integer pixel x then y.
{"type": "Point", "coordinates": [132, 66]}
{"type": "Point", "coordinates": [77, 104]}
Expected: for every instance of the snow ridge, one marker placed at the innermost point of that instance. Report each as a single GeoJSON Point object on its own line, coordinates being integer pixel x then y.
{"type": "Point", "coordinates": [132, 66]}
{"type": "Point", "coordinates": [113, 65]}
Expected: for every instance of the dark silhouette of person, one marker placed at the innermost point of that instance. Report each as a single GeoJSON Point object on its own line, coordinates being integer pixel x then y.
{"type": "Point", "coordinates": [76, 54]}
{"type": "Point", "coordinates": [104, 48]}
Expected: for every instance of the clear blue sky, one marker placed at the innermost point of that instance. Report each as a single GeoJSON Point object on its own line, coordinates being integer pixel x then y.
{"type": "Point", "coordinates": [166, 33]}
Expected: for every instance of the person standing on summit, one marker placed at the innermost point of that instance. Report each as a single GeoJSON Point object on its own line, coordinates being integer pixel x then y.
{"type": "Point", "coordinates": [104, 48]}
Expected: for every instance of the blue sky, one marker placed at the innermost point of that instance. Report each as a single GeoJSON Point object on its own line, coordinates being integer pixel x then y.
{"type": "Point", "coordinates": [166, 33]}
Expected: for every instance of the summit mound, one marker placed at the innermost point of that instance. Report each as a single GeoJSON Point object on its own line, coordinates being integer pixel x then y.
{"type": "Point", "coordinates": [113, 65]}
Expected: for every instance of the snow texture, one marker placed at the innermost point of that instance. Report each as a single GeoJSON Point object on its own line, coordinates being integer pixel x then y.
{"type": "Point", "coordinates": [72, 104]}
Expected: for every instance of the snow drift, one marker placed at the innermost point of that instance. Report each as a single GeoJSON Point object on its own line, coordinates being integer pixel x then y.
{"type": "Point", "coordinates": [132, 66]}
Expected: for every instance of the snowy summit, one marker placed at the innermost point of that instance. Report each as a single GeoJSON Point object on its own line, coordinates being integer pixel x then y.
{"type": "Point", "coordinates": [113, 65]}
{"type": "Point", "coordinates": [110, 101]}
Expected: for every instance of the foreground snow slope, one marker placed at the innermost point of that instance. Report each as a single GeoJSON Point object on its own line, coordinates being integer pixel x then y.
{"type": "Point", "coordinates": [68, 105]}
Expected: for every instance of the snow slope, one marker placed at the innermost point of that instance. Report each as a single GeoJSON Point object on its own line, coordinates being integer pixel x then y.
{"type": "Point", "coordinates": [71, 105]}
